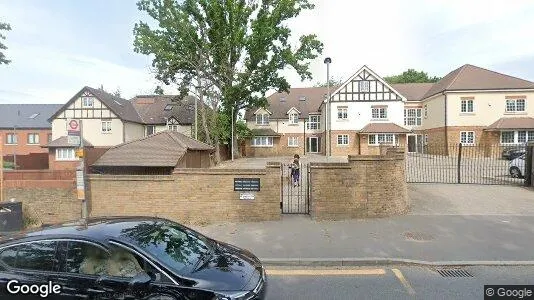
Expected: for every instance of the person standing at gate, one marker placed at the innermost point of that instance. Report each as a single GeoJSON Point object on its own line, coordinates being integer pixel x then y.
{"type": "Point", "coordinates": [295, 170]}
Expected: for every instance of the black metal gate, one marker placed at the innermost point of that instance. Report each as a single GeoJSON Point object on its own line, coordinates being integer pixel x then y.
{"type": "Point", "coordinates": [477, 164]}
{"type": "Point", "coordinates": [295, 190]}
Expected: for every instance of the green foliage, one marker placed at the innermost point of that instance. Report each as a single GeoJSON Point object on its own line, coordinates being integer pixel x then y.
{"type": "Point", "coordinates": [3, 27]}
{"type": "Point", "coordinates": [333, 82]}
{"type": "Point", "coordinates": [411, 76]}
{"type": "Point", "coordinates": [28, 219]}
{"type": "Point", "coordinates": [238, 47]}
{"type": "Point", "coordinates": [223, 128]}
{"type": "Point", "coordinates": [159, 90]}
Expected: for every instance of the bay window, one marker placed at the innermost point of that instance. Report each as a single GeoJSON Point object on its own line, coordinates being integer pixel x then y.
{"type": "Point", "coordinates": [262, 141]}
{"type": "Point", "coordinates": [65, 154]}
{"type": "Point", "coordinates": [382, 138]}
{"type": "Point", "coordinates": [516, 137]}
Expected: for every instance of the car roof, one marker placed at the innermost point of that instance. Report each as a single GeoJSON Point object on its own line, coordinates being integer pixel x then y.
{"type": "Point", "coordinates": [100, 230]}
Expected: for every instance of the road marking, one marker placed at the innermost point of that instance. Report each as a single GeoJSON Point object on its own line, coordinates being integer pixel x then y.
{"type": "Point", "coordinates": [319, 272]}
{"type": "Point", "coordinates": [403, 280]}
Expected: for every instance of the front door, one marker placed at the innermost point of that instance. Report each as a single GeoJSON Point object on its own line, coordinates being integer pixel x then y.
{"type": "Point", "coordinates": [412, 143]}
{"type": "Point", "coordinates": [312, 144]}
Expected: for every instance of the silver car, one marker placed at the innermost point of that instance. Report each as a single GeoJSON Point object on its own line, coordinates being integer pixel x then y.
{"type": "Point", "coordinates": [517, 167]}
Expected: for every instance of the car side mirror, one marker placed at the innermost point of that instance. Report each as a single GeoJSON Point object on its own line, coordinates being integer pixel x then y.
{"type": "Point", "coordinates": [140, 280]}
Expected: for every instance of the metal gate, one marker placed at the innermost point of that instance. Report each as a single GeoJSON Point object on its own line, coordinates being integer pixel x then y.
{"type": "Point", "coordinates": [295, 192]}
{"type": "Point", "coordinates": [480, 164]}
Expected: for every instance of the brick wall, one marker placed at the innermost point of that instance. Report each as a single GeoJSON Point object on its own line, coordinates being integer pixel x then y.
{"type": "Point", "coordinates": [193, 196]}
{"type": "Point", "coordinates": [44, 203]}
{"type": "Point", "coordinates": [351, 149]}
{"type": "Point", "coordinates": [366, 186]}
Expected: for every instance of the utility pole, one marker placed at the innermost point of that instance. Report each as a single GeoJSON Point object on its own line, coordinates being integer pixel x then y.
{"type": "Point", "coordinates": [15, 148]}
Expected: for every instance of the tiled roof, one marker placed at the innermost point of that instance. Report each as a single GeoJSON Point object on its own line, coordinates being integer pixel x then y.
{"type": "Point", "coordinates": [62, 142]}
{"type": "Point", "coordinates": [512, 123]}
{"type": "Point", "coordinates": [264, 132]}
{"type": "Point", "coordinates": [469, 77]}
{"type": "Point", "coordinates": [163, 149]}
{"type": "Point", "coordinates": [412, 91]}
{"type": "Point", "coordinates": [27, 115]}
{"type": "Point", "coordinates": [151, 108]}
{"type": "Point", "coordinates": [383, 128]}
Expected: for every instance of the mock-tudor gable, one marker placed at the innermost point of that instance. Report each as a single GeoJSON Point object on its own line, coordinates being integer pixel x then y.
{"type": "Point", "coordinates": [366, 85]}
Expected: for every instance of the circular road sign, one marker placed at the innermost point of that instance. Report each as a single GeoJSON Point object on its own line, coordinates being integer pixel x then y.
{"type": "Point", "coordinates": [73, 124]}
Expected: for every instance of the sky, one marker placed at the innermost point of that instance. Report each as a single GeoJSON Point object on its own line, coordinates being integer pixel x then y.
{"type": "Point", "coordinates": [59, 46]}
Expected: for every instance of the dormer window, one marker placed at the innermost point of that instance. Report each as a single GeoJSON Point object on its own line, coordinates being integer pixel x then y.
{"type": "Point", "coordinates": [262, 119]}
{"type": "Point", "coordinates": [302, 98]}
{"type": "Point", "coordinates": [293, 118]}
{"type": "Point", "coordinates": [168, 107]}
{"type": "Point", "coordinates": [87, 101]}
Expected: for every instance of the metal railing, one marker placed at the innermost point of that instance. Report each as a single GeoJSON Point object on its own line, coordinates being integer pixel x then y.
{"type": "Point", "coordinates": [476, 164]}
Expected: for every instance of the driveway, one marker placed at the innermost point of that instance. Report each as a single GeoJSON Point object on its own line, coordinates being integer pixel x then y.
{"type": "Point", "coordinates": [470, 199]}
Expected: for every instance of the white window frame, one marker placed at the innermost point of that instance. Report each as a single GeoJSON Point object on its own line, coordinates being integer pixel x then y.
{"type": "Point", "coordinates": [467, 106]}
{"type": "Point", "coordinates": [426, 111]}
{"type": "Point", "coordinates": [378, 139]}
{"type": "Point", "coordinates": [88, 101]}
{"type": "Point", "coordinates": [364, 86]}
{"type": "Point", "coordinates": [379, 113]}
{"type": "Point", "coordinates": [106, 126]}
{"type": "Point", "coordinates": [262, 119]}
{"type": "Point", "coordinates": [262, 141]}
{"type": "Point", "coordinates": [413, 115]}
{"type": "Point", "coordinates": [314, 122]}
{"type": "Point", "coordinates": [529, 137]}
{"type": "Point", "coordinates": [34, 140]}
{"type": "Point", "coordinates": [344, 139]}
{"type": "Point", "coordinates": [293, 118]}
{"type": "Point", "coordinates": [465, 136]}
{"type": "Point", "coordinates": [172, 127]}
{"type": "Point", "coordinates": [65, 154]}
{"type": "Point", "coordinates": [150, 126]}
{"type": "Point", "coordinates": [12, 139]}
{"type": "Point", "coordinates": [293, 141]}
{"type": "Point", "coordinates": [342, 113]}
{"type": "Point", "coordinates": [511, 105]}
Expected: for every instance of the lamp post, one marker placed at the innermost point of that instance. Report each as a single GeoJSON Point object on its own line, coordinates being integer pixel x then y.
{"type": "Point", "coordinates": [327, 61]}
{"type": "Point", "coordinates": [232, 132]}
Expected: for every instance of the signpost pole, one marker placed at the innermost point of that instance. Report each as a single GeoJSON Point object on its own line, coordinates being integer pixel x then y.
{"type": "Point", "coordinates": [81, 178]}
{"type": "Point", "coordinates": [1, 170]}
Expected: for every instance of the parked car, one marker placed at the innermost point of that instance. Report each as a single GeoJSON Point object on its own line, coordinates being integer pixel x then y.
{"type": "Point", "coordinates": [513, 153]}
{"type": "Point", "coordinates": [517, 167]}
{"type": "Point", "coordinates": [127, 258]}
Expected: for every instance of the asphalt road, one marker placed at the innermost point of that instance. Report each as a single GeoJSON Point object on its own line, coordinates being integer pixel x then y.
{"type": "Point", "coordinates": [394, 282]}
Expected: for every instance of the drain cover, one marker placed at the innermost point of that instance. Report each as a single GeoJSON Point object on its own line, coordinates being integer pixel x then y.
{"type": "Point", "coordinates": [418, 236]}
{"type": "Point", "coordinates": [453, 272]}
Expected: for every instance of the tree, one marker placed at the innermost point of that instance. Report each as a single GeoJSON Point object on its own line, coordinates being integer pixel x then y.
{"type": "Point", "coordinates": [411, 76]}
{"type": "Point", "coordinates": [235, 47]}
{"type": "Point", "coordinates": [158, 90]}
{"type": "Point", "coordinates": [333, 82]}
{"type": "Point", "coordinates": [3, 59]}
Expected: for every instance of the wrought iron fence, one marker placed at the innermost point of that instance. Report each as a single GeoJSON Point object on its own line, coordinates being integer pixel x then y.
{"type": "Point", "coordinates": [478, 164]}
{"type": "Point", "coordinates": [295, 190]}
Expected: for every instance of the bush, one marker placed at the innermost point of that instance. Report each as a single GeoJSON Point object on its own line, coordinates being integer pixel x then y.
{"type": "Point", "coordinates": [28, 220]}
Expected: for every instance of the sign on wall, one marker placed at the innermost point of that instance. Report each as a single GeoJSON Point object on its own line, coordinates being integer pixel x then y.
{"type": "Point", "coordinates": [74, 132]}
{"type": "Point", "coordinates": [247, 184]}
{"type": "Point", "coordinates": [247, 196]}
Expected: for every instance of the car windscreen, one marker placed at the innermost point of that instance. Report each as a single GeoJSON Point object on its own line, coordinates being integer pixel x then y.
{"type": "Point", "coordinates": [176, 247]}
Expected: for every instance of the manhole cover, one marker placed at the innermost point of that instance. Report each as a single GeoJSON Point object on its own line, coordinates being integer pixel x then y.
{"type": "Point", "coordinates": [418, 236]}
{"type": "Point", "coordinates": [453, 272]}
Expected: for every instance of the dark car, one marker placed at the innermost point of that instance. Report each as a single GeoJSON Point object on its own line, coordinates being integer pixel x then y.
{"type": "Point", "coordinates": [513, 153]}
{"type": "Point", "coordinates": [126, 258]}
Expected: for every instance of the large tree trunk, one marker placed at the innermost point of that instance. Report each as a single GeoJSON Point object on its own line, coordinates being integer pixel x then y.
{"type": "Point", "coordinates": [237, 154]}
{"type": "Point", "coordinates": [204, 120]}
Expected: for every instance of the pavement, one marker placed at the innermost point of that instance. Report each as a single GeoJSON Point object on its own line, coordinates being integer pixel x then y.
{"type": "Point", "coordinates": [448, 225]}
{"type": "Point", "coordinates": [393, 282]}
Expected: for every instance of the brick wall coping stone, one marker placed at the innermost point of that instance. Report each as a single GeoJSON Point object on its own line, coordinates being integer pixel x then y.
{"type": "Point", "coordinates": [374, 157]}
{"type": "Point", "coordinates": [221, 171]}
{"type": "Point", "coordinates": [131, 177]}
{"type": "Point", "coordinates": [323, 165]}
